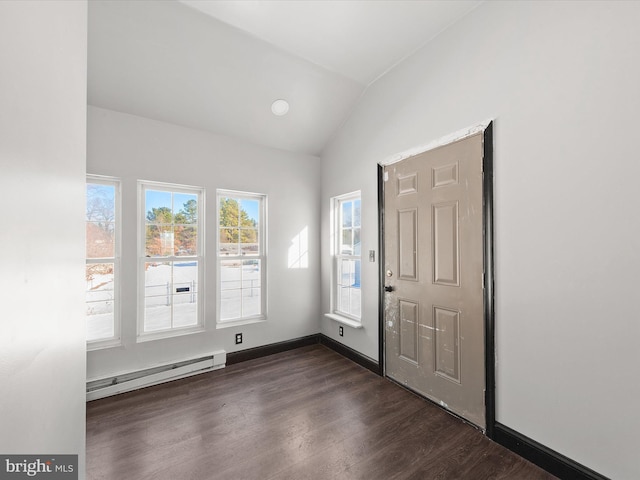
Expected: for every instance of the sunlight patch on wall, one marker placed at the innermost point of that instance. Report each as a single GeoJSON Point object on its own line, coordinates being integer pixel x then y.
{"type": "Point", "coordinates": [299, 250]}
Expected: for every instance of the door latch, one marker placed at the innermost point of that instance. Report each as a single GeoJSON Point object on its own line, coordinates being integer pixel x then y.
{"type": "Point", "coordinates": [388, 288]}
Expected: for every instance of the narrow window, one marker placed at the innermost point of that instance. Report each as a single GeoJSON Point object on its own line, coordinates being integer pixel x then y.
{"type": "Point", "coordinates": [242, 260]}
{"type": "Point", "coordinates": [346, 299]}
{"type": "Point", "coordinates": [102, 261]}
{"type": "Point", "coordinates": [171, 260]}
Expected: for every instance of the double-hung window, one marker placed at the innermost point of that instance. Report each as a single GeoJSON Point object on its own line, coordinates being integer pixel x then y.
{"type": "Point", "coordinates": [242, 258]}
{"type": "Point", "coordinates": [346, 298]}
{"type": "Point", "coordinates": [171, 259]}
{"type": "Point", "coordinates": [102, 261]}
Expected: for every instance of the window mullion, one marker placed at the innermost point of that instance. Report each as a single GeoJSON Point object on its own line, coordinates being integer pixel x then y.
{"type": "Point", "coordinates": [241, 287]}
{"type": "Point", "coordinates": [173, 289]}
{"type": "Point", "coordinates": [101, 260]}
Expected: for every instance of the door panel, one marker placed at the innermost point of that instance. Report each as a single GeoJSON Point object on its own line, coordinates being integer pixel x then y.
{"type": "Point", "coordinates": [408, 244]}
{"type": "Point", "coordinates": [434, 318]}
{"type": "Point", "coordinates": [409, 330]}
{"type": "Point", "coordinates": [447, 342]}
{"type": "Point", "coordinates": [445, 248]}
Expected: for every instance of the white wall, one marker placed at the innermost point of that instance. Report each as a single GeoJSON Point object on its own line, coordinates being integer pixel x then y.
{"type": "Point", "coordinates": [133, 148]}
{"type": "Point", "coordinates": [561, 81]}
{"type": "Point", "coordinates": [43, 48]}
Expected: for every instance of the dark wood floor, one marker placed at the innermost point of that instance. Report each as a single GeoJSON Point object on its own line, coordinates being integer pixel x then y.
{"type": "Point", "coordinates": [304, 414]}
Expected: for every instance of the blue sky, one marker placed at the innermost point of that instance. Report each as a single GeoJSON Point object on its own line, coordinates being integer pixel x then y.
{"type": "Point", "coordinates": [252, 208]}
{"type": "Point", "coordinates": [158, 199]}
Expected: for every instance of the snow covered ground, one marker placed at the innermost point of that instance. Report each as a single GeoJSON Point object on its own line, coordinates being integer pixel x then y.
{"type": "Point", "coordinates": [174, 291]}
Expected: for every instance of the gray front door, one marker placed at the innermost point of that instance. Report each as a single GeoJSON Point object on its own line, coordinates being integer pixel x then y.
{"type": "Point", "coordinates": [433, 301]}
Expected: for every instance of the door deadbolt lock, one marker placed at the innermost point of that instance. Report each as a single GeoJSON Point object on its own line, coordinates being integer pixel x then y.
{"type": "Point", "coordinates": [389, 273]}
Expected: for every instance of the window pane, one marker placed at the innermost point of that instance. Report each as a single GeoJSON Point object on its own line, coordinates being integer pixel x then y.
{"type": "Point", "coordinates": [158, 296]}
{"type": "Point", "coordinates": [100, 240]}
{"type": "Point", "coordinates": [356, 242]}
{"type": "Point", "coordinates": [343, 299]}
{"type": "Point", "coordinates": [355, 302]}
{"type": "Point", "coordinates": [347, 218]}
{"type": "Point", "coordinates": [356, 213]}
{"type": "Point", "coordinates": [100, 215]}
{"type": "Point", "coordinates": [249, 241]}
{"type": "Point", "coordinates": [152, 240]}
{"type": "Point", "coordinates": [185, 208]}
{"type": "Point", "coordinates": [240, 292]}
{"type": "Point", "coordinates": [101, 203]}
{"type": "Point", "coordinates": [159, 240]}
{"type": "Point", "coordinates": [250, 273]}
{"type": "Point", "coordinates": [345, 272]}
{"type": "Point", "coordinates": [230, 304]}
{"type": "Point", "coordinates": [230, 289]}
{"type": "Point", "coordinates": [186, 240]}
{"type": "Point", "coordinates": [100, 301]}
{"type": "Point", "coordinates": [348, 298]}
{"type": "Point", "coordinates": [229, 212]}
{"type": "Point", "coordinates": [158, 207]}
{"type": "Point", "coordinates": [230, 275]}
{"type": "Point", "coordinates": [229, 241]}
{"type": "Point", "coordinates": [251, 302]}
{"type": "Point", "coordinates": [356, 274]}
{"type": "Point", "coordinates": [250, 213]}
{"type": "Point", "coordinates": [185, 298]}
{"type": "Point", "coordinates": [346, 246]}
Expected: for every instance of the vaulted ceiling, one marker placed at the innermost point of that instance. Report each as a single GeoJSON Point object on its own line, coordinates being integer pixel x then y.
{"type": "Point", "coordinates": [219, 65]}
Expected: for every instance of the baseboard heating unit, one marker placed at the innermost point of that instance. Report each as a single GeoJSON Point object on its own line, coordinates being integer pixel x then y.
{"type": "Point", "coordinates": [129, 381]}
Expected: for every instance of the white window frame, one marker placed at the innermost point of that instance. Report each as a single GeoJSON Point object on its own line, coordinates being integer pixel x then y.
{"type": "Point", "coordinates": [344, 317]}
{"type": "Point", "coordinates": [262, 257]}
{"type": "Point", "coordinates": [199, 257]}
{"type": "Point", "coordinates": [115, 340]}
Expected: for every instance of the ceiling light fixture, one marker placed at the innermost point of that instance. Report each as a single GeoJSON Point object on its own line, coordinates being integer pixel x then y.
{"type": "Point", "coordinates": [280, 107]}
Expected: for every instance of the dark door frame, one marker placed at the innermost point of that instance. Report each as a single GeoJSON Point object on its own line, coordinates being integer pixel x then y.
{"type": "Point", "coordinates": [489, 311]}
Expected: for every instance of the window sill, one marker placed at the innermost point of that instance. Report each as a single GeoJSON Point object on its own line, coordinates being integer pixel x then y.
{"type": "Point", "coordinates": [237, 323]}
{"type": "Point", "coordinates": [344, 320]}
{"type": "Point", "coordinates": [148, 337]}
{"type": "Point", "coordinates": [102, 344]}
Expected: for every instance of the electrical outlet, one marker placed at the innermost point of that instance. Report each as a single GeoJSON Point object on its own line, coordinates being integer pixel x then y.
{"type": "Point", "coordinates": [238, 338]}
{"type": "Point", "coordinates": [341, 331]}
